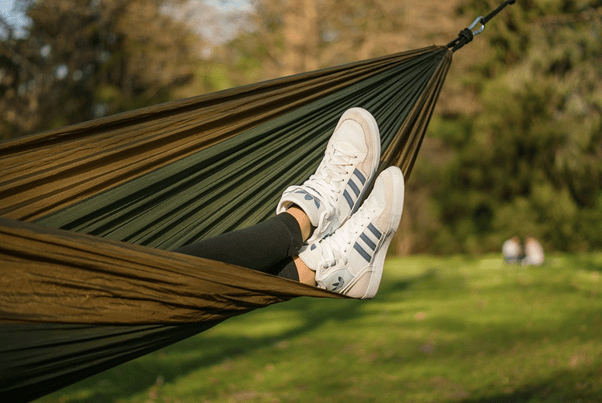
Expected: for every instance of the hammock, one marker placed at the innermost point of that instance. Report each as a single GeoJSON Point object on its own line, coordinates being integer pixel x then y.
{"type": "Point", "coordinates": [90, 212]}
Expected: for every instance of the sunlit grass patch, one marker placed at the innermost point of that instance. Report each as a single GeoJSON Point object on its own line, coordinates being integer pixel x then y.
{"type": "Point", "coordinates": [441, 329]}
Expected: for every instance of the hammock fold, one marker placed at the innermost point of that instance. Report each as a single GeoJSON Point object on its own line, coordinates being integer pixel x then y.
{"type": "Point", "coordinates": [90, 212]}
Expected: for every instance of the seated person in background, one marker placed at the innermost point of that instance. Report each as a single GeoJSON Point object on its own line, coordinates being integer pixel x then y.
{"type": "Point", "coordinates": [512, 250]}
{"type": "Point", "coordinates": [534, 255]}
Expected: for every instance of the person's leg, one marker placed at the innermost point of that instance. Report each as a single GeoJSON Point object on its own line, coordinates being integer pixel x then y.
{"type": "Point", "coordinates": [267, 246]}
{"type": "Point", "coordinates": [304, 273]}
{"type": "Point", "coordinates": [307, 212]}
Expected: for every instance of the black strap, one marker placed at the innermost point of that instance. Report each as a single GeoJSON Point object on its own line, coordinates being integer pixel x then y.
{"type": "Point", "coordinates": [467, 34]}
{"type": "Point", "coordinates": [497, 10]}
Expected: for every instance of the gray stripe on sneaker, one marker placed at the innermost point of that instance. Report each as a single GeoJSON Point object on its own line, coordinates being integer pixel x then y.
{"type": "Point", "coordinates": [362, 252]}
{"type": "Point", "coordinates": [374, 230]}
{"type": "Point", "coordinates": [368, 241]}
{"type": "Point", "coordinates": [348, 198]}
{"type": "Point", "coordinates": [359, 175]}
{"type": "Point", "coordinates": [354, 187]}
{"type": "Point", "coordinates": [319, 194]}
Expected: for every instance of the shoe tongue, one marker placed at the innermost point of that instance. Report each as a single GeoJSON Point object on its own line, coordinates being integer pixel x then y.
{"type": "Point", "coordinates": [345, 148]}
{"type": "Point", "coordinates": [339, 158]}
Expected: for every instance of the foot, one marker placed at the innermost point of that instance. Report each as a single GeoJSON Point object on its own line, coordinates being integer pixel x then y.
{"type": "Point", "coordinates": [351, 260]}
{"type": "Point", "coordinates": [333, 193]}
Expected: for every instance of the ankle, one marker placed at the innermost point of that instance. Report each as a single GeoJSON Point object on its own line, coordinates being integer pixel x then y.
{"type": "Point", "coordinates": [306, 275]}
{"type": "Point", "coordinates": [302, 219]}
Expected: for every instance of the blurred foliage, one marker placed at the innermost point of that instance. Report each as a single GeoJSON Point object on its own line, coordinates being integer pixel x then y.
{"type": "Point", "coordinates": [80, 60]}
{"type": "Point", "coordinates": [530, 162]}
{"type": "Point", "coordinates": [289, 37]}
{"type": "Point", "coordinates": [515, 147]}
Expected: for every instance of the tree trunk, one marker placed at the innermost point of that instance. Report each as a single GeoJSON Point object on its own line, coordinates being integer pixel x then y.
{"type": "Point", "coordinates": [301, 36]}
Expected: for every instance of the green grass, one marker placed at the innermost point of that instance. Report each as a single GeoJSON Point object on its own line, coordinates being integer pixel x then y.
{"type": "Point", "coordinates": [449, 329]}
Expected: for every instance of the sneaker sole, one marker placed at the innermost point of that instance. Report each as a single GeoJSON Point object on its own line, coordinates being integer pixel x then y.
{"type": "Point", "coordinates": [396, 211]}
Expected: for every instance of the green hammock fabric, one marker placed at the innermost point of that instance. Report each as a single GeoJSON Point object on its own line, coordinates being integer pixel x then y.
{"type": "Point", "coordinates": [89, 212]}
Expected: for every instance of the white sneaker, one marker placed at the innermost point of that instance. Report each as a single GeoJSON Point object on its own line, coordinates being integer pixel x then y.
{"type": "Point", "coordinates": [351, 260]}
{"type": "Point", "coordinates": [332, 194]}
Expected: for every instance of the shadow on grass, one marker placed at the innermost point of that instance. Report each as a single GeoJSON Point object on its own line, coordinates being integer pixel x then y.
{"type": "Point", "coordinates": [205, 350]}
{"type": "Point", "coordinates": [429, 276]}
{"type": "Point", "coordinates": [582, 385]}
{"type": "Point", "coordinates": [490, 337]}
{"type": "Point", "coordinates": [589, 264]}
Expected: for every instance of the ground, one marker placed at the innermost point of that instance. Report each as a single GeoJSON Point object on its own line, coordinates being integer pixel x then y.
{"type": "Point", "coordinates": [441, 329]}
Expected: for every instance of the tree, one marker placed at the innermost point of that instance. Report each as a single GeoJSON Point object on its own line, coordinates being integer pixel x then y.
{"type": "Point", "coordinates": [288, 37]}
{"type": "Point", "coordinates": [530, 161]}
{"type": "Point", "coordinates": [81, 60]}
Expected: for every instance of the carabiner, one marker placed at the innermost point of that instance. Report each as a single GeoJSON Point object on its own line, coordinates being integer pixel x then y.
{"type": "Point", "coordinates": [478, 20]}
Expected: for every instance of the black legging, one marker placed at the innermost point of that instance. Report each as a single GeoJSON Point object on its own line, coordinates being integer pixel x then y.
{"type": "Point", "coordinates": [267, 247]}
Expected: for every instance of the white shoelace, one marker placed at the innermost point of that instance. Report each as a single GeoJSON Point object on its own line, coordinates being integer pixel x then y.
{"type": "Point", "coordinates": [336, 247]}
{"type": "Point", "coordinates": [328, 181]}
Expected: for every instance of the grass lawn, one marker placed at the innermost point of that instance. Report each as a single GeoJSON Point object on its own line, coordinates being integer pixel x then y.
{"type": "Point", "coordinates": [451, 329]}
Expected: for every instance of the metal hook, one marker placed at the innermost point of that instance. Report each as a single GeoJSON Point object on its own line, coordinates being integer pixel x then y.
{"type": "Point", "coordinates": [478, 20]}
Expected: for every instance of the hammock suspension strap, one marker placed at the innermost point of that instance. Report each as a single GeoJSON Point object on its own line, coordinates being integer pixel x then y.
{"type": "Point", "coordinates": [467, 34]}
